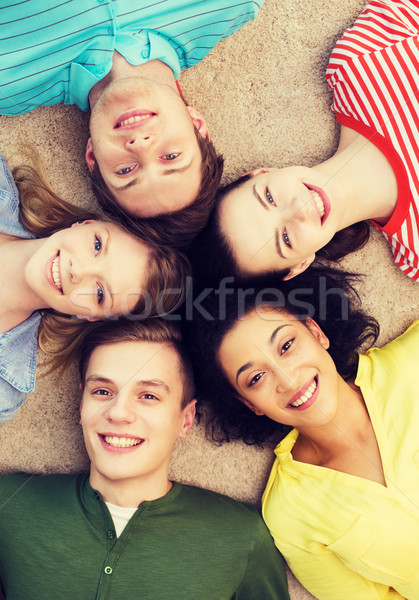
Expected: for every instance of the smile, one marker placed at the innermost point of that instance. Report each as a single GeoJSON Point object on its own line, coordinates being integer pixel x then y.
{"type": "Point", "coordinates": [121, 442]}
{"type": "Point", "coordinates": [321, 201]}
{"type": "Point", "coordinates": [318, 202]}
{"type": "Point", "coordinates": [55, 270]}
{"type": "Point", "coordinates": [305, 400]}
{"type": "Point", "coordinates": [133, 119]}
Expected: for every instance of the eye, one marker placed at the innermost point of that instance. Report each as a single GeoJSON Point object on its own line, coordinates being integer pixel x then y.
{"type": "Point", "coordinates": [101, 392]}
{"type": "Point", "coordinates": [286, 346]}
{"type": "Point", "coordinates": [100, 293]}
{"type": "Point", "coordinates": [286, 238]}
{"type": "Point", "coordinates": [171, 156]}
{"type": "Point", "coordinates": [97, 244]}
{"type": "Point", "coordinates": [125, 170]}
{"type": "Point", "coordinates": [149, 397]}
{"type": "Point", "coordinates": [269, 198]}
{"type": "Point", "coordinates": [255, 379]}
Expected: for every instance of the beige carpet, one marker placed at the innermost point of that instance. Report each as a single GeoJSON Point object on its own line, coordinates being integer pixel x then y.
{"type": "Point", "coordinates": [264, 95]}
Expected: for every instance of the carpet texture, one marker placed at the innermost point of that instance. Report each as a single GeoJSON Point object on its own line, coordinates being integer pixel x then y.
{"type": "Point", "coordinates": [264, 95]}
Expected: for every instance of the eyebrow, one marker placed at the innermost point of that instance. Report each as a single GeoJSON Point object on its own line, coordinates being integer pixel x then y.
{"type": "Point", "coordinates": [271, 341]}
{"type": "Point", "coordinates": [258, 197]}
{"type": "Point", "coordinates": [278, 243]}
{"type": "Point", "coordinates": [178, 169]}
{"type": "Point", "coordinates": [141, 382]}
{"type": "Point", "coordinates": [121, 188]}
{"type": "Point", "coordinates": [106, 251]}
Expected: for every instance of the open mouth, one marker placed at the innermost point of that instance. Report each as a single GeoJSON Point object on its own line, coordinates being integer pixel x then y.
{"type": "Point", "coordinates": [133, 119]}
{"type": "Point", "coordinates": [320, 200]}
{"type": "Point", "coordinates": [307, 397]}
{"type": "Point", "coordinates": [55, 273]}
{"type": "Point", "coordinates": [121, 442]}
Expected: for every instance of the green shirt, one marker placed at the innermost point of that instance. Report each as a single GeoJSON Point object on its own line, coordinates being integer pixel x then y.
{"type": "Point", "coordinates": [58, 541]}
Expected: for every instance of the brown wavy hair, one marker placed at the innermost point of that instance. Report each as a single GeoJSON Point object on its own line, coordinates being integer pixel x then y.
{"type": "Point", "coordinates": [179, 228]}
{"type": "Point", "coordinates": [43, 212]}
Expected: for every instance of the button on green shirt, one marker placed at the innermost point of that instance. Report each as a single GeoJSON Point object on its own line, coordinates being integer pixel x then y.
{"type": "Point", "coordinates": [58, 542]}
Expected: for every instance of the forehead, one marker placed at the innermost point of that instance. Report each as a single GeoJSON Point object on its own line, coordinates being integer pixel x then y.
{"type": "Point", "coordinates": [258, 324]}
{"type": "Point", "coordinates": [125, 363]}
{"type": "Point", "coordinates": [249, 230]}
{"type": "Point", "coordinates": [166, 190]}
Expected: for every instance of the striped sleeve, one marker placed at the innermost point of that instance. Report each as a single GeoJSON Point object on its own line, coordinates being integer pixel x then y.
{"type": "Point", "coordinates": [374, 75]}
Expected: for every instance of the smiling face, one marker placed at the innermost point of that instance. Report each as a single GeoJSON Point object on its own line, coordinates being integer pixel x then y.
{"type": "Point", "coordinates": [132, 414]}
{"type": "Point", "coordinates": [143, 139]}
{"type": "Point", "coordinates": [93, 269]}
{"type": "Point", "coordinates": [278, 219]}
{"type": "Point", "coordinates": [280, 368]}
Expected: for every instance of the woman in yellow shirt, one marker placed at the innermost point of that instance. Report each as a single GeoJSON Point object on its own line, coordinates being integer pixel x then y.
{"type": "Point", "coordinates": [342, 500]}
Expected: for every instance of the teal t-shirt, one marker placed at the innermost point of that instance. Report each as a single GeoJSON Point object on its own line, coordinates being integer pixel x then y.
{"type": "Point", "coordinates": [56, 51]}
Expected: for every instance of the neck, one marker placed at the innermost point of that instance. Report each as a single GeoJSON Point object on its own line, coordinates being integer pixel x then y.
{"type": "Point", "coordinates": [154, 70]}
{"type": "Point", "coordinates": [365, 178]}
{"type": "Point", "coordinates": [341, 433]}
{"type": "Point", "coordinates": [130, 493]}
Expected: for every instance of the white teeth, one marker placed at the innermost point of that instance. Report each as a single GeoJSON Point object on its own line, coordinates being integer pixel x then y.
{"type": "Point", "coordinates": [56, 272]}
{"type": "Point", "coordinates": [121, 442]}
{"type": "Point", "coordinates": [134, 119]}
{"type": "Point", "coordinates": [309, 392]}
{"type": "Point", "coordinates": [319, 202]}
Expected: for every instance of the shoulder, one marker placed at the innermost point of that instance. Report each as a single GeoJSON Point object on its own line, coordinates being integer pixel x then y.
{"type": "Point", "coordinates": [389, 373]}
{"type": "Point", "coordinates": [219, 508]}
{"type": "Point", "coordinates": [381, 25]}
{"type": "Point", "coordinates": [9, 204]}
{"type": "Point", "coordinates": [20, 490]}
{"type": "Point", "coordinates": [402, 351]}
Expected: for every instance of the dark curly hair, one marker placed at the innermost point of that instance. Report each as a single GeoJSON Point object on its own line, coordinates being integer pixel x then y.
{"type": "Point", "coordinates": [214, 265]}
{"type": "Point", "coordinates": [327, 295]}
{"type": "Point", "coordinates": [176, 229]}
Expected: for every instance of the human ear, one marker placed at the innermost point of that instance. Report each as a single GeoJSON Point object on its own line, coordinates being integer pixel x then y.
{"type": "Point", "coordinates": [318, 332]}
{"type": "Point", "coordinates": [90, 156]}
{"type": "Point", "coordinates": [85, 222]}
{"type": "Point", "coordinates": [90, 319]}
{"type": "Point", "coordinates": [188, 419]}
{"type": "Point", "coordinates": [302, 266]}
{"type": "Point", "coordinates": [198, 121]}
{"type": "Point", "coordinates": [257, 171]}
{"type": "Point", "coordinates": [249, 405]}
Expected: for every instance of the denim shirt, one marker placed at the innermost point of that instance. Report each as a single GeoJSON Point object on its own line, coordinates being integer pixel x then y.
{"type": "Point", "coordinates": [18, 346]}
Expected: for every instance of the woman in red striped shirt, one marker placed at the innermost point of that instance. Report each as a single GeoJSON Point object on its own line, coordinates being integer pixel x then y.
{"type": "Point", "coordinates": [282, 219]}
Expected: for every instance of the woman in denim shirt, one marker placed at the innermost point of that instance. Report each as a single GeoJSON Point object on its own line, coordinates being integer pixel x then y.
{"type": "Point", "coordinates": [66, 262]}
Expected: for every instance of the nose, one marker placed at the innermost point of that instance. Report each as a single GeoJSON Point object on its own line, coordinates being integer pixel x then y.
{"type": "Point", "coordinates": [285, 381]}
{"type": "Point", "coordinates": [120, 409]}
{"type": "Point", "coordinates": [80, 269]}
{"type": "Point", "coordinates": [74, 272]}
{"type": "Point", "coordinates": [139, 141]}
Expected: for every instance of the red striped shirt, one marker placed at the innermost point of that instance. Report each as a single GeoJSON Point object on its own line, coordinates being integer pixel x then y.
{"type": "Point", "coordinates": [374, 74]}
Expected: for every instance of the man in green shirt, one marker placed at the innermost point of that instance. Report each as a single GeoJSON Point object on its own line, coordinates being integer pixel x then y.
{"type": "Point", "coordinates": [125, 530]}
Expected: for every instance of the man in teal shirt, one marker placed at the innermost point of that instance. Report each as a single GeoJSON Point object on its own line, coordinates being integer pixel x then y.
{"type": "Point", "coordinates": [125, 530]}
{"type": "Point", "coordinates": [148, 152]}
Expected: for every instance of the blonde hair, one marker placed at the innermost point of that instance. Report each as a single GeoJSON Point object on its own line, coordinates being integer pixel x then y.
{"type": "Point", "coordinates": [42, 213]}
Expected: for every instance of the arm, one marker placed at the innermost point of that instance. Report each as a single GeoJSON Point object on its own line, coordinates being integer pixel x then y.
{"type": "Point", "coordinates": [328, 578]}
{"type": "Point", "coordinates": [265, 577]}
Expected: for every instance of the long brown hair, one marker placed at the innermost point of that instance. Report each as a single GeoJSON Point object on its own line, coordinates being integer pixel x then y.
{"type": "Point", "coordinates": [43, 212]}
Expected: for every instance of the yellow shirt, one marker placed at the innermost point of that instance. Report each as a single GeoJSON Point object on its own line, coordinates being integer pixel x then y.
{"type": "Point", "coordinates": [348, 538]}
